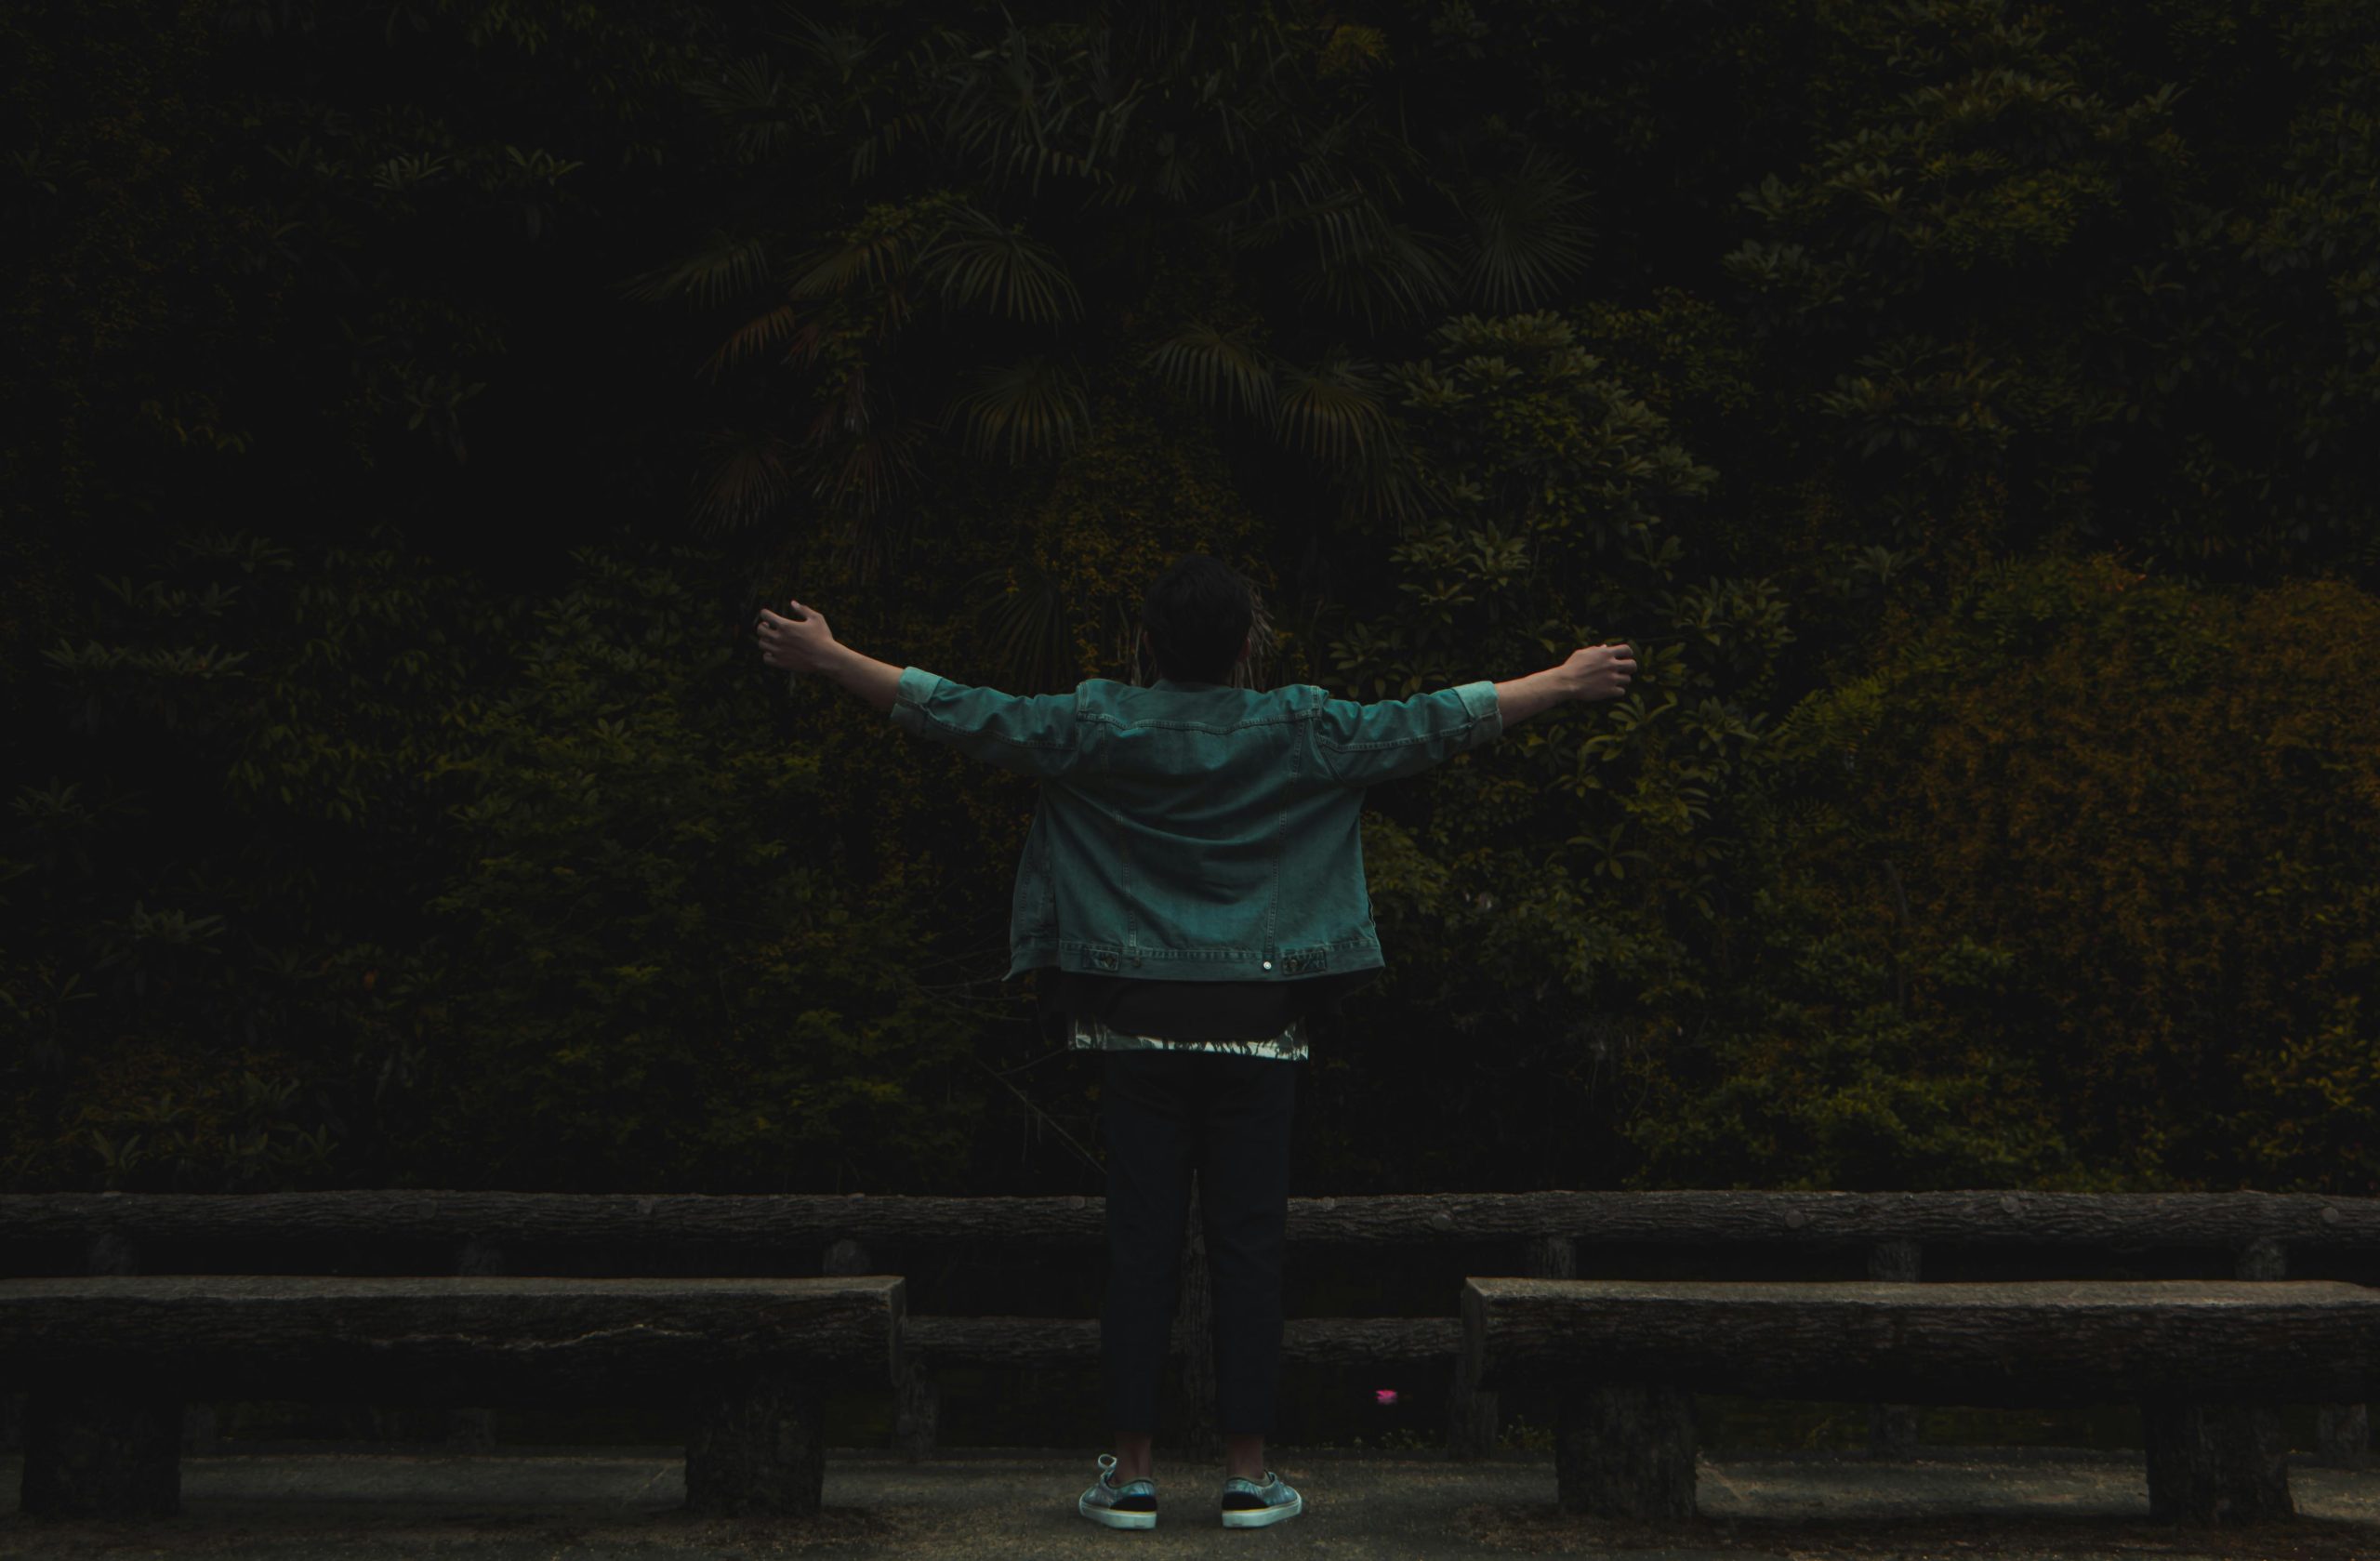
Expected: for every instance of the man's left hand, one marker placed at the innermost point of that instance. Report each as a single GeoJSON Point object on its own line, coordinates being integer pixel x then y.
{"type": "Point", "coordinates": [801, 643]}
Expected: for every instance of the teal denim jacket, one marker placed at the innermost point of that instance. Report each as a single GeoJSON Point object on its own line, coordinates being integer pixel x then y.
{"type": "Point", "coordinates": [1196, 831]}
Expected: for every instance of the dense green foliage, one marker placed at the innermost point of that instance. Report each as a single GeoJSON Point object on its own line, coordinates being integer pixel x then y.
{"type": "Point", "coordinates": [1960, 408]}
{"type": "Point", "coordinates": [2077, 890]}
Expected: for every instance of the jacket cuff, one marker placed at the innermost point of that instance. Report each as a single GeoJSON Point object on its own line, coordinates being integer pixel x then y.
{"type": "Point", "coordinates": [916, 686]}
{"type": "Point", "coordinates": [1487, 711]}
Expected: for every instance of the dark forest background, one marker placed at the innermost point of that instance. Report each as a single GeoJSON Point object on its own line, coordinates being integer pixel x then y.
{"type": "Point", "coordinates": [1966, 409]}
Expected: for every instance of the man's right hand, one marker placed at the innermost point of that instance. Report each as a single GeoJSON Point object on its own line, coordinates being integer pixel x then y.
{"type": "Point", "coordinates": [1599, 671]}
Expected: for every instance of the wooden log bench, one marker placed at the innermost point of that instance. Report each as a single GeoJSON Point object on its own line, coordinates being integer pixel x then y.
{"type": "Point", "coordinates": [107, 1362]}
{"type": "Point", "coordinates": [2209, 1362]}
{"type": "Point", "coordinates": [1815, 1233]}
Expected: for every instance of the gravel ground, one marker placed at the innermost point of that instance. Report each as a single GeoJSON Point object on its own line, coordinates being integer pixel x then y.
{"type": "Point", "coordinates": [1984, 1505]}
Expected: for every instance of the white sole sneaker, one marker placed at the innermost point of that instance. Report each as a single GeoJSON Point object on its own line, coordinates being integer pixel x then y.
{"type": "Point", "coordinates": [1098, 1504]}
{"type": "Point", "coordinates": [1281, 1501]}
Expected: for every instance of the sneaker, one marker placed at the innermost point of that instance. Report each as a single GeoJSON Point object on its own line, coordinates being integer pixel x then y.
{"type": "Point", "coordinates": [1129, 1505]}
{"type": "Point", "coordinates": [1253, 1503]}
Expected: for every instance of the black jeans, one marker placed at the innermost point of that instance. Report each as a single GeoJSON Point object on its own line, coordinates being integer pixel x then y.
{"type": "Point", "coordinates": [1163, 1115]}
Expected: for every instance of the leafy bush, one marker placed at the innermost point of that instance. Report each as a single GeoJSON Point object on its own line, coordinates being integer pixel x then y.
{"type": "Point", "coordinates": [212, 875]}
{"type": "Point", "coordinates": [2075, 891]}
{"type": "Point", "coordinates": [1538, 898]}
{"type": "Point", "coordinates": [657, 980]}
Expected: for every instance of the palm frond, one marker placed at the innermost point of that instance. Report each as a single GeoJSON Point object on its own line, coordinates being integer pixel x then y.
{"type": "Point", "coordinates": [1333, 409]}
{"type": "Point", "coordinates": [755, 336]}
{"type": "Point", "coordinates": [726, 266]}
{"type": "Point", "coordinates": [1203, 362]}
{"type": "Point", "coordinates": [1314, 192]}
{"type": "Point", "coordinates": [1024, 624]}
{"type": "Point", "coordinates": [993, 102]}
{"type": "Point", "coordinates": [843, 408]}
{"type": "Point", "coordinates": [838, 49]}
{"type": "Point", "coordinates": [1524, 238]}
{"type": "Point", "coordinates": [925, 58]}
{"type": "Point", "coordinates": [1035, 406]}
{"type": "Point", "coordinates": [1113, 119]}
{"type": "Point", "coordinates": [749, 474]}
{"type": "Point", "coordinates": [1364, 260]}
{"type": "Point", "coordinates": [1326, 173]}
{"type": "Point", "coordinates": [1011, 107]}
{"type": "Point", "coordinates": [761, 107]}
{"type": "Point", "coordinates": [872, 467]}
{"type": "Point", "coordinates": [1121, 192]}
{"type": "Point", "coordinates": [885, 138]}
{"type": "Point", "coordinates": [1380, 268]}
{"type": "Point", "coordinates": [876, 258]}
{"type": "Point", "coordinates": [976, 255]}
{"type": "Point", "coordinates": [1380, 484]}
{"type": "Point", "coordinates": [877, 251]}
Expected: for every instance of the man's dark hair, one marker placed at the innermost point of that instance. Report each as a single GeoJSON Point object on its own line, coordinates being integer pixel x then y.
{"type": "Point", "coordinates": [1198, 614]}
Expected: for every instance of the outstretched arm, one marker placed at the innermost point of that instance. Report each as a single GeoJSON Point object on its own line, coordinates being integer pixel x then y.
{"type": "Point", "coordinates": [1032, 735]}
{"type": "Point", "coordinates": [804, 643]}
{"type": "Point", "coordinates": [1590, 672]}
{"type": "Point", "coordinates": [1519, 698]}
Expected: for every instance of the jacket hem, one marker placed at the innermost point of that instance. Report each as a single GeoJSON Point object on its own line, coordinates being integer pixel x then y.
{"type": "Point", "coordinates": [1158, 964]}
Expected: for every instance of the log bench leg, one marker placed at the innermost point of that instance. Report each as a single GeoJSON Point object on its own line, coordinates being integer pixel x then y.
{"type": "Point", "coordinates": [1625, 1451]}
{"type": "Point", "coordinates": [756, 1446]}
{"type": "Point", "coordinates": [2216, 1464]}
{"type": "Point", "coordinates": [2343, 1435]}
{"type": "Point", "coordinates": [1892, 1430]}
{"type": "Point", "coordinates": [917, 1408]}
{"type": "Point", "coordinates": [1473, 1416]}
{"type": "Point", "coordinates": [201, 1429]}
{"type": "Point", "coordinates": [101, 1453]}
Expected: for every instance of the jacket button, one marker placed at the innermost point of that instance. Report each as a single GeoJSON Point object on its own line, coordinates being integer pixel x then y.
{"type": "Point", "coordinates": [1268, 965]}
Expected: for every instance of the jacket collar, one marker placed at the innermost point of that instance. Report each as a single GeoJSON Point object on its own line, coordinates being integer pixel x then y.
{"type": "Point", "coordinates": [1178, 683]}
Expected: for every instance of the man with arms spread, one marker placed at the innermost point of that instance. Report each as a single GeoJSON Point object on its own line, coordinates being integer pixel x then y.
{"type": "Point", "coordinates": [1192, 891]}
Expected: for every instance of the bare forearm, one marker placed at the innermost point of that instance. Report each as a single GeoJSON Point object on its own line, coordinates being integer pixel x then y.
{"type": "Point", "coordinates": [1523, 697]}
{"type": "Point", "coordinates": [873, 681]}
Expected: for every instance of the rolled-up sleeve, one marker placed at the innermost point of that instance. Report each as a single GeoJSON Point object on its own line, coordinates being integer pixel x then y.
{"type": "Point", "coordinates": [1364, 745]}
{"type": "Point", "coordinates": [1029, 733]}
